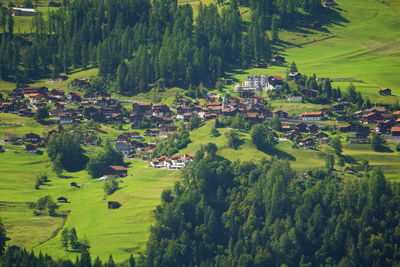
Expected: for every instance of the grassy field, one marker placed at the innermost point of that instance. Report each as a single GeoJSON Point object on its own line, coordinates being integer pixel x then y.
{"type": "Point", "coordinates": [367, 49]}
{"type": "Point", "coordinates": [111, 231]}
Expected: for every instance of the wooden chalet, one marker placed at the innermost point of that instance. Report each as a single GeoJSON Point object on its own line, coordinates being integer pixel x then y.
{"type": "Point", "coordinates": [117, 171]}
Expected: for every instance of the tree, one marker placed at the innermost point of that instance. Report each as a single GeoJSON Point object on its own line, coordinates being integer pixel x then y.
{"type": "Point", "coordinates": [219, 85]}
{"type": "Point", "coordinates": [3, 237]}
{"type": "Point", "coordinates": [110, 262]}
{"type": "Point", "coordinates": [233, 139]}
{"type": "Point", "coordinates": [194, 122]}
{"type": "Point", "coordinates": [97, 263]}
{"type": "Point", "coordinates": [336, 144]}
{"type": "Point", "coordinates": [214, 132]}
{"type": "Point", "coordinates": [258, 133]}
{"type": "Point", "coordinates": [110, 186]}
{"type": "Point", "coordinates": [57, 165]}
{"type": "Point", "coordinates": [330, 162]}
{"type": "Point", "coordinates": [73, 239]}
{"type": "Point", "coordinates": [293, 67]}
{"type": "Point", "coordinates": [131, 261]}
{"type": "Point", "coordinates": [41, 114]}
{"type": "Point", "coordinates": [377, 142]}
{"type": "Point", "coordinates": [275, 28]}
{"type": "Point", "coordinates": [65, 238]}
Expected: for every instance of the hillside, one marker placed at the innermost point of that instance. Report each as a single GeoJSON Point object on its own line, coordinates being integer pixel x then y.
{"type": "Point", "coordinates": [363, 47]}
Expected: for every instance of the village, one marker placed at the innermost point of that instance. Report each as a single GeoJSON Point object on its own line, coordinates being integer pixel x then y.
{"type": "Point", "coordinates": [159, 121]}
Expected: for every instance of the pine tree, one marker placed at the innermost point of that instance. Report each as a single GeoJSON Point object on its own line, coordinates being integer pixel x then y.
{"type": "Point", "coordinates": [3, 238]}
{"type": "Point", "coordinates": [57, 165]}
{"type": "Point", "coordinates": [73, 239]}
{"type": "Point", "coordinates": [65, 238]}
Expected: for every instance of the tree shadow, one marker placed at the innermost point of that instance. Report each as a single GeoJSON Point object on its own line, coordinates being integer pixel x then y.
{"type": "Point", "coordinates": [384, 149]}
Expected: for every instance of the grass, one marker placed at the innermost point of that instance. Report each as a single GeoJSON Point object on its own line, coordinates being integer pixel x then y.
{"type": "Point", "coordinates": [246, 151]}
{"type": "Point", "coordinates": [366, 49]}
{"type": "Point", "coordinates": [115, 232]}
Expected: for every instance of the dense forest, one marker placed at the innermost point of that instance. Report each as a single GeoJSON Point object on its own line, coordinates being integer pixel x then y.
{"type": "Point", "coordinates": [246, 214]}
{"type": "Point", "coordinates": [141, 44]}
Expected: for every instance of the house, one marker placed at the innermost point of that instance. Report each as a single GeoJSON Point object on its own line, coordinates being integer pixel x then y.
{"type": "Point", "coordinates": [385, 126]}
{"type": "Point", "coordinates": [34, 90]}
{"type": "Point", "coordinates": [338, 108]}
{"type": "Point", "coordinates": [152, 132]}
{"type": "Point", "coordinates": [117, 171]}
{"type": "Point", "coordinates": [309, 92]}
{"type": "Point", "coordinates": [328, 3]}
{"type": "Point", "coordinates": [355, 129]}
{"type": "Point", "coordinates": [61, 76]}
{"type": "Point", "coordinates": [20, 11]}
{"type": "Point", "coordinates": [256, 81]}
{"type": "Point", "coordinates": [274, 83]}
{"type": "Point", "coordinates": [308, 143]}
{"type": "Point", "coordinates": [10, 137]}
{"type": "Point", "coordinates": [124, 148]}
{"type": "Point", "coordinates": [91, 140]}
{"type": "Point", "coordinates": [113, 205]}
{"type": "Point", "coordinates": [385, 91]}
{"type": "Point", "coordinates": [32, 138]}
{"type": "Point", "coordinates": [301, 127]}
{"type": "Point", "coordinates": [65, 118]}
{"type": "Point", "coordinates": [62, 200]}
{"type": "Point", "coordinates": [160, 110]}
{"type": "Point", "coordinates": [278, 59]}
{"type": "Point", "coordinates": [313, 116]}
{"type": "Point", "coordinates": [263, 64]}
{"type": "Point", "coordinates": [321, 135]}
{"type": "Point", "coordinates": [58, 92]}
{"type": "Point", "coordinates": [395, 131]}
{"type": "Point", "coordinates": [80, 83]}
{"type": "Point", "coordinates": [372, 118]}
{"type": "Point", "coordinates": [74, 97]}
{"type": "Point", "coordinates": [142, 107]}
{"type": "Point", "coordinates": [74, 184]}
{"type": "Point", "coordinates": [31, 148]}
{"type": "Point", "coordinates": [177, 162]}
{"type": "Point", "coordinates": [294, 76]}
{"type": "Point", "coordinates": [282, 114]}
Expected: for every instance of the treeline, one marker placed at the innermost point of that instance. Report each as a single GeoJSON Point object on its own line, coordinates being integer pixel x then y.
{"type": "Point", "coordinates": [247, 214]}
{"type": "Point", "coordinates": [138, 45]}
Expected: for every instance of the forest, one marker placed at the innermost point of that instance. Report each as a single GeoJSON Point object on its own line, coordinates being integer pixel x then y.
{"type": "Point", "coordinates": [141, 44]}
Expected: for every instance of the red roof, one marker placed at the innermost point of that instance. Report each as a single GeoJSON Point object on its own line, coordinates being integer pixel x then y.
{"type": "Point", "coordinates": [320, 113]}
{"type": "Point", "coordinates": [118, 168]}
{"type": "Point", "coordinates": [395, 129]}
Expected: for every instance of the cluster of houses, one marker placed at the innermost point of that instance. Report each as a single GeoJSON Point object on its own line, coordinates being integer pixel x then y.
{"type": "Point", "coordinates": [259, 83]}
{"type": "Point", "coordinates": [31, 141]}
{"type": "Point", "coordinates": [176, 162]}
{"type": "Point", "coordinates": [99, 105]}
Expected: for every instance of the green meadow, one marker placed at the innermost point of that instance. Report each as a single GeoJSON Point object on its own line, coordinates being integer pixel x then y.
{"type": "Point", "coordinates": [117, 232]}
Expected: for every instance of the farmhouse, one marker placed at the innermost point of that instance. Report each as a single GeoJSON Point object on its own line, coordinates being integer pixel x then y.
{"type": "Point", "coordinates": [62, 200]}
{"type": "Point", "coordinates": [32, 138]}
{"type": "Point", "coordinates": [20, 11]}
{"type": "Point", "coordinates": [118, 171]}
{"type": "Point", "coordinates": [308, 143]}
{"type": "Point", "coordinates": [313, 116]}
{"type": "Point", "coordinates": [278, 59]}
{"type": "Point", "coordinates": [31, 148]}
{"type": "Point", "coordinates": [113, 205]}
{"type": "Point", "coordinates": [395, 131]}
{"type": "Point", "coordinates": [385, 91]}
